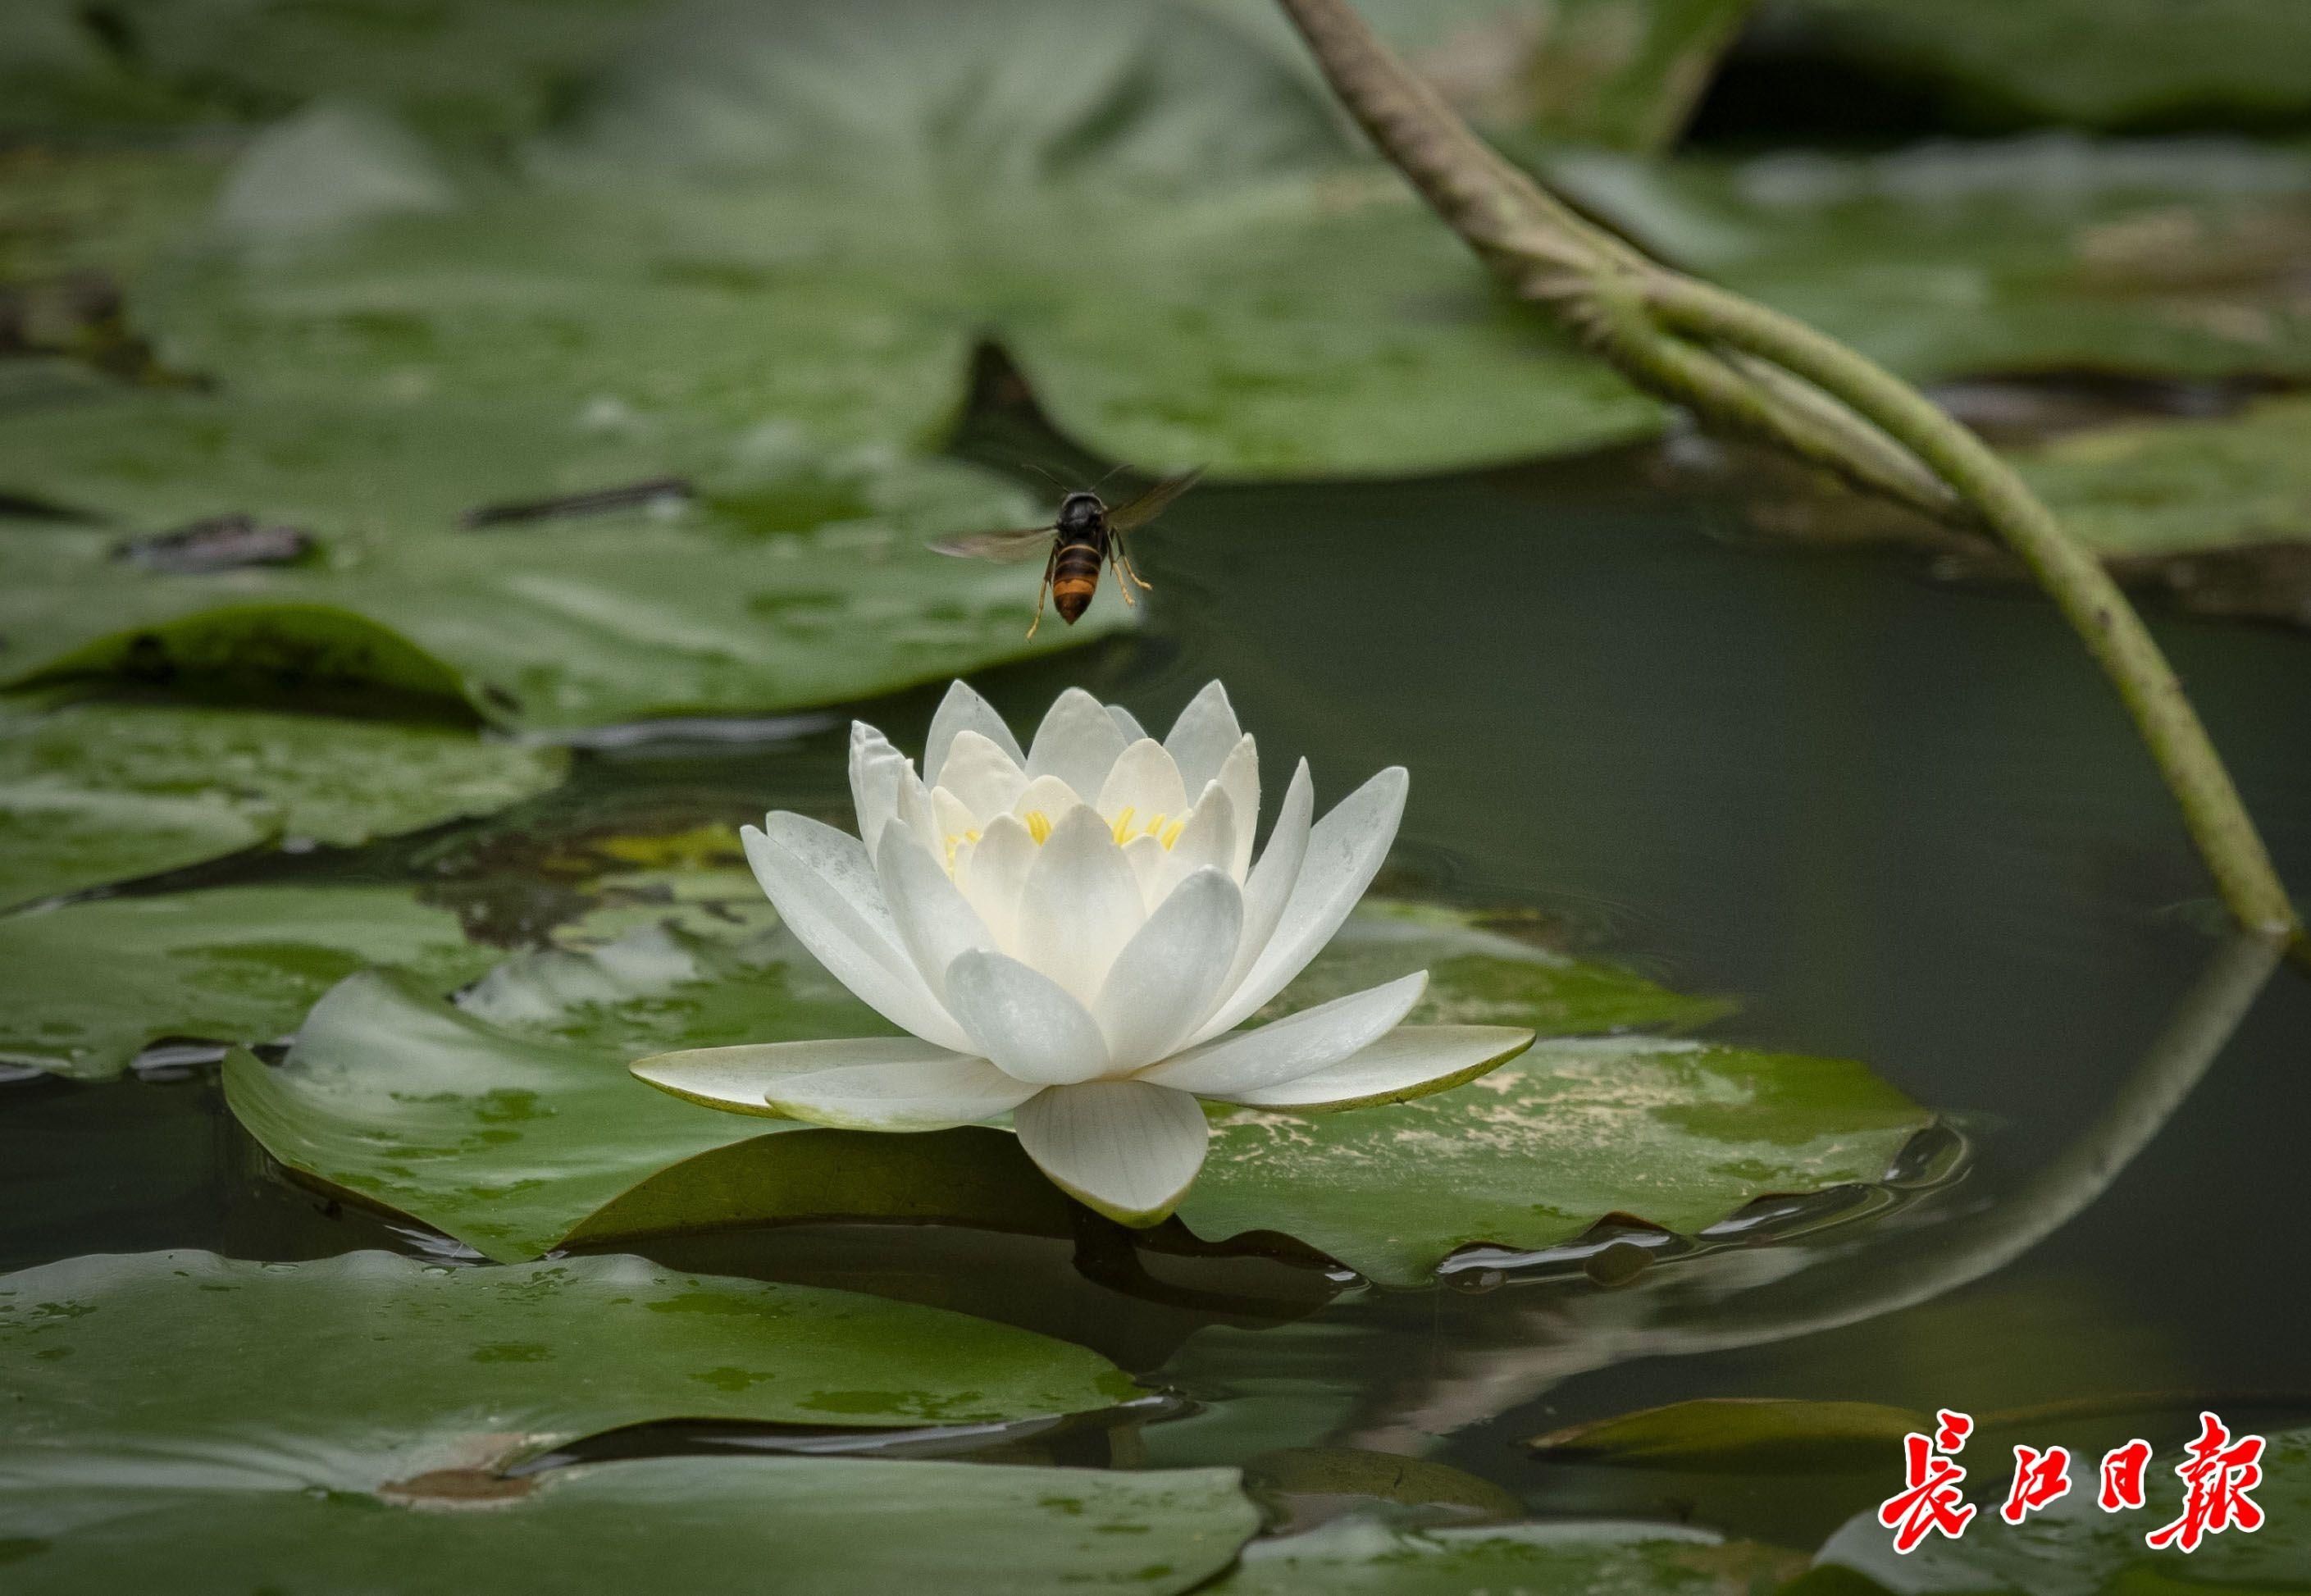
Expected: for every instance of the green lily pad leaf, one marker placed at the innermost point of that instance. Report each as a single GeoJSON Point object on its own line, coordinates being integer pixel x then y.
{"type": "Point", "coordinates": [303, 1458]}
{"type": "Point", "coordinates": [789, 580]}
{"type": "Point", "coordinates": [1674, 1134]}
{"type": "Point", "coordinates": [1479, 973]}
{"type": "Point", "coordinates": [2041, 254]}
{"type": "Point", "coordinates": [2091, 63]}
{"type": "Point", "coordinates": [97, 793]}
{"type": "Point", "coordinates": [508, 1120]}
{"type": "Point", "coordinates": [94, 984]}
{"type": "Point", "coordinates": [1169, 227]}
{"type": "Point", "coordinates": [2073, 1545]}
{"type": "Point", "coordinates": [1356, 1556]}
{"type": "Point", "coordinates": [1740, 1434]}
{"type": "Point", "coordinates": [2183, 487]}
{"type": "Point", "coordinates": [469, 70]}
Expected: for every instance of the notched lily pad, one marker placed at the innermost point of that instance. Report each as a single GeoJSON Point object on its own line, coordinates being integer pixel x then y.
{"type": "Point", "coordinates": [93, 983]}
{"type": "Point", "coordinates": [1677, 1135]}
{"type": "Point", "coordinates": [363, 1412]}
{"type": "Point", "coordinates": [95, 793]}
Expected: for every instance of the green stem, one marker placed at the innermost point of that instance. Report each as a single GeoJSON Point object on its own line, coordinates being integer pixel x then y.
{"type": "Point", "coordinates": [1738, 365]}
{"type": "Point", "coordinates": [2097, 610]}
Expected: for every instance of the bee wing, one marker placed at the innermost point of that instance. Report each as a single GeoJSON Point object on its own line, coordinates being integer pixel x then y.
{"type": "Point", "coordinates": [1150, 504]}
{"type": "Point", "coordinates": [1009, 544]}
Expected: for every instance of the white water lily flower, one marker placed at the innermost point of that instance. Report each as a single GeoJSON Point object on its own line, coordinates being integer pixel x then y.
{"type": "Point", "coordinates": [1070, 935]}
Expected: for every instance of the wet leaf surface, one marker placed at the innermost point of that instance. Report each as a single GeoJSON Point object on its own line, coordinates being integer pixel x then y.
{"type": "Point", "coordinates": [92, 983]}
{"type": "Point", "coordinates": [97, 793]}
{"type": "Point", "coordinates": [361, 1413]}
{"type": "Point", "coordinates": [1677, 1135]}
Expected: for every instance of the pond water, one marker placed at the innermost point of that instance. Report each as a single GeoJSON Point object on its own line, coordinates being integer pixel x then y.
{"type": "Point", "coordinates": [1895, 821]}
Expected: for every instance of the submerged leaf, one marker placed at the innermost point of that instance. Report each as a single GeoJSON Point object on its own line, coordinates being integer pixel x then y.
{"type": "Point", "coordinates": [93, 983]}
{"type": "Point", "coordinates": [1740, 1434]}
{"type": "Point", "coordinates": [97, 793]}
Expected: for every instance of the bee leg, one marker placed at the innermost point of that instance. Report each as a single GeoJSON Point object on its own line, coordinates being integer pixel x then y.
{"type": "Point", "coordinates": [1043, 592]}
{"type": "Point", "coordinates": [1123, 564]}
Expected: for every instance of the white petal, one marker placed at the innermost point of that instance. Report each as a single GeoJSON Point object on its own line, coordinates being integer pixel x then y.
{"type": "Point", "coordinates": [910, 1095]}
{"type": "Point", "coordinates": [1203, 735]}
{"type": "Point", "coordinates": [917, 811]}
{"type": "Point", "coordinates": [746, 1079]}
{"type": "Point", "coordinates": [1078, 742]}
{"type": "Point", "coordinates": [1345, 851]}
{"type": "Point", "coordinates": [951, 817]}
{"type": "Point", "coordinates": [1127, 723]}
{"type": "Point", "coordinates": [1080, 905]}
{"type": "Point", "coordinates": [1126, 1148]}
{"type": "Point", "coordinates": [1296, 1045]}
{"type": "Point", "coordinates": [986, 777]}
{"type": "Point", "coordinates": [995, 874]}
{"type": "Point", "coordinates": [936, 923]}
{"type": "Point", "coordinates": [1023, 1021]}
{"type": "Point", "coordinates": [875, 770]}
{"type": "Point", "coordinates": [1147, 857]}
{"type": "Point", "coordinates": [1167, 977]}
{"type": "Point", "coordinates": [1048, 797]}
{"type": "Point", "coordinates": [737, 1079]}
{"type": "Point", "coordinates": [1207, 842]}
{"type": "Point", "coordinates": [961, 710]}
{"type": "Point", "coordinates": [1270, 885]}
{"type": "Point", "coordinates": [827, 892]}
{"type": "Point", "coordinates": [1239, 778]}
{"type": "Point", "coordinates": [1145, 781]}
{"type": "Point", "coordinates": [1410, 1061]}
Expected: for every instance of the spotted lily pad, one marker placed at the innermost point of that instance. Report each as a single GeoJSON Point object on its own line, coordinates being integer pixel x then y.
{"type": "Point", "coordinates": [346, 1410]}
{"type": "Point", "coordinates": [1677, 1135]}
{"type": "Point", "coordinates": [92, 983]}
{"type": "Point", "coordinates": [97, 793]}
{"type": "Point", "coordinates": [1355, 1556]}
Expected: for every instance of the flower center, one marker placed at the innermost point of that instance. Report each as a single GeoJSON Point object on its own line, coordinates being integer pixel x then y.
{"type": "Point", "coordinates": [1165, 828]}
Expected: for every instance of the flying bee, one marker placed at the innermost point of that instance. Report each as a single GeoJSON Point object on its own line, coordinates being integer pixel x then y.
{"type": "Point", "coordinates": [1084, 536]}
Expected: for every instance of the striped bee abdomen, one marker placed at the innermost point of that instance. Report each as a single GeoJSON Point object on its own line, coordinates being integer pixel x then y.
{"type": "Point", "coordinates": [1074, 578]}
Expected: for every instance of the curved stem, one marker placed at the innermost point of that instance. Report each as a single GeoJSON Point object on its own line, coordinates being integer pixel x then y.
{"type": "Point", "coordinates": [2098, 611]}
{"type": "Point", "coordinates": [1739, 365]}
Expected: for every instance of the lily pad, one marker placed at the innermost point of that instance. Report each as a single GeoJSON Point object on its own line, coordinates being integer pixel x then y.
{"type": "Point", "coordinates": [790, 580]}
{"type": "Point", "coordinates": [1744, 1434]}
{"type": "Point", "coordinates": [1356, 1556]}
{"type": "Point", "coordinates": [93, 983]}
{"type": "Point", "coordinates": [2046, 253]}
{"type": "Point", "coordinates": [508, 1118]}
{"type": "Point", "coordinates": [1673, 1134]}
{"type": "Point", "coordinates": [2071, 1547]}
{"type": "Point", "coordinates": [345, 1407]}
{"type": "Point", "coordinates": [811, 212]}
{"type": "Point", "coordinates": [2095, 62]}
{"type": "Point", "coordinates": [98, 793]}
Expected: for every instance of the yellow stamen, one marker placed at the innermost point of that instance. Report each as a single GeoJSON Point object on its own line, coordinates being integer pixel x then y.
{"type": "Point", "coordinates": [1123, 825]}
{"type": "Point", "coordinates": [954, 844]}
{"type": "Point", "coordinates": [1039, 825]}
{"type": "Point", "coordinates": [1172, 832]}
